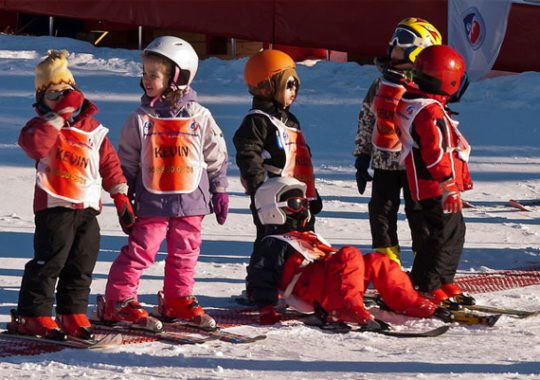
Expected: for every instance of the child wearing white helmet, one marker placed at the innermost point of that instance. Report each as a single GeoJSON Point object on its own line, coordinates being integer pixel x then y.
{"type": "Point", "coordinates": [311, 275]}
{"type": "Point", "coordinates": [174, 157]}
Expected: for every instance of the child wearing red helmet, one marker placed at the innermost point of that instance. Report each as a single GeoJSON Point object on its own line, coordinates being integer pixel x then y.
{"type": "Point", "coordinates": [435, 154]}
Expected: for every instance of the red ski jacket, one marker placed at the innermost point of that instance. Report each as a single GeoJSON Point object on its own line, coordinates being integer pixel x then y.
{"type": "Point", "coordinates": [39, 136]}
{"type": "Point", "coordinates": [433, 149]}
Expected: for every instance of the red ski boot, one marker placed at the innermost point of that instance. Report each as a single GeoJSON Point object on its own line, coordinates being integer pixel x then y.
{"type": "Point", "coordinates": [128, 311]}
{"type": "Point", "coordinates": [76, 325]}
{"type": "Point", "coordinates": [437, 296]}
{"type": "Point", "coordinates": [457, 294]}
{"type": "Point", "coordinates": [185, 309]}
{"type": "Point", "coordinates": [42, 326]}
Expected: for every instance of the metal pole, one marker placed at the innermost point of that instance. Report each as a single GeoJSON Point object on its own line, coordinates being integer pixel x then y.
{"type": "Point", "coordinates": [140, 37]}
{"type": "Point", "coordinates": [327, 54]}
{"type": "Point", "coordinates": [233, 48]}
{"type": "Point", "coordinates": [51, 23]}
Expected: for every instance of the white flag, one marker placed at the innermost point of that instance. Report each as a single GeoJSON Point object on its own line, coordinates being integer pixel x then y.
{"type": "Point", "coordinates": [476, 29]}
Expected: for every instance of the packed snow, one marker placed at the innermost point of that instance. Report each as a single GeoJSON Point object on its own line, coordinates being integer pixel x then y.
{"type": "Point", "coordinates": [499, 116]}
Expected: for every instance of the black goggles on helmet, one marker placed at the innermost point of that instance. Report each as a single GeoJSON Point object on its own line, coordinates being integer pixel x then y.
{"type": "Point", "coordinates": [294, 204]}
{"type": "Point", "coordinates": [406, 38]}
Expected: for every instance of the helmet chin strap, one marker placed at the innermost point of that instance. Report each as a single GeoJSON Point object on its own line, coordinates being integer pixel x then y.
{"type": "Point", "coordinates": [172, 86]}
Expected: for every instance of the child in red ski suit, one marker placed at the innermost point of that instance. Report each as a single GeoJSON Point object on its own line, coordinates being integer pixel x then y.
{"type": "Point", "coordinates": [435, 154]}
{"type": "Point", "coordinates": [175, 160]}
{"type": "Point", "coordinates": [74, 160]}
{"type": "Point", "coordinates": [306, 270]}
{"type": "Point", "coordinates": [376, 140]}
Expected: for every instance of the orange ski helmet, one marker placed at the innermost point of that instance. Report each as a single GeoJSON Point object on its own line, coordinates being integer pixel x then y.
{"type": "Point", "coordinates": [261, 67]}
{"type": "Point", "coordinates": [439, 69]}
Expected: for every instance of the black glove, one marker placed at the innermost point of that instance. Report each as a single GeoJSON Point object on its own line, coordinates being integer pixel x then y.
{"type": "Point", "coordinates": [316, 205]}
{"type": "Point", "coordinates": [362, 176]}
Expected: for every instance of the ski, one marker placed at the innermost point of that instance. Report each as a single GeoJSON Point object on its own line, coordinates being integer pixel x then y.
{"type": "Point", "coordinates": [498, 310]}
{"type": "Point", "coordinates": [458, 314]}
{"type": "Point", "coordinates": [135, 330]}
{"type": "Point", "coordinates": [410, 334]}
{"type": "Point", "coordinates": [218, 333]}
{"type": "Point", "coordinates": [509, 205]}
{"type": "Point", "coordinates": [378, 327]}
{"type": "Point", "coordinates": [464, 317]}
{"type": "Point", "coordinates": [109, 340]}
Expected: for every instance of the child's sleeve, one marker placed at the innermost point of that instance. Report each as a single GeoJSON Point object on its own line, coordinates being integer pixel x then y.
{"type": "Point", "coordinates": [110, 170]}
{"type": "Point", "coordinates": [38, 137]}
{"type": "Point", "coordinates": [366, 123]}
{"type": "Point", "coordinates": [430, 125]}
{"type": "Point", "coordinates": [215, 156]}
{"type": "Point", "coordinates": [129, 149]}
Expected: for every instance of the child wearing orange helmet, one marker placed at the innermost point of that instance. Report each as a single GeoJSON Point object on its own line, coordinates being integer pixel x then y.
{"type": "Point", "coordinates": [269, 142]}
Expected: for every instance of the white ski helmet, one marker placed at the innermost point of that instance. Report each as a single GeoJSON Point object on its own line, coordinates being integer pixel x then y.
{"type": "Point", "coordinates": [268, 194]}
{"type": "Point", "coordinates": [181, 53]}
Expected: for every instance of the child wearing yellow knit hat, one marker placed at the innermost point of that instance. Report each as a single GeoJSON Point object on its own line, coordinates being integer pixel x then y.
{"type": "Point", "coordinates": [74, 160]}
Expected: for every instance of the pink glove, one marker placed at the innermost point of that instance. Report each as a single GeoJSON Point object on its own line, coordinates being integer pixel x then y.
{"type": "Point", "coordinates": [450, 196]}
{"type": "Point", "coordinates": [126, 215]}
{"type": "Point", "coordinates": [220, 202]}
{"type": "Point", "coordinates": [69, 104]}
{"type": "Point", "coordinates": [268, 315]}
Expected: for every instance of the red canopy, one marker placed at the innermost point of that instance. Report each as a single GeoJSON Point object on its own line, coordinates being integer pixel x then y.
{"type": "Point", "coordinates": [358, 26]}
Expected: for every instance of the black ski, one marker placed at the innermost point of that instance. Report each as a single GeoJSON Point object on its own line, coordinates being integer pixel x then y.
{"type": "Point", "coordinates": [377, 326]}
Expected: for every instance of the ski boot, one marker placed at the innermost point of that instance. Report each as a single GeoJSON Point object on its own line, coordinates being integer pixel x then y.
{"type": "Point", "coordinates": [456, 295]}
{"type": "Point", "coordinates": [421, 308]}
{"type": "Point", "coordinates": [126, 312]}
{"type": "Point", "coordinates": [437, 296]}
{"type": "Point", "coordinates": [185, 309]}
{"type": "Point", "coordinates": [76, 325]}
{"type": "Point", "coordinates": [43, 326]}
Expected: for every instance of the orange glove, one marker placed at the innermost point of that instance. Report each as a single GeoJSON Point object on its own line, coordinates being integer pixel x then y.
{"type": "Point", "coordinates": [126, 215]}
{"type": "Point", "coordinates": [451, 201]}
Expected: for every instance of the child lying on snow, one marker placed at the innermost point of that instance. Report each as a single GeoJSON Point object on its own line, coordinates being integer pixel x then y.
{"type": "Point", "coordinates": [308, 271]}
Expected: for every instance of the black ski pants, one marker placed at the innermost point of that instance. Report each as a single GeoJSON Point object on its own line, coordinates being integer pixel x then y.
{"type": "Point", "coordinates": [66, 247]}
{"type": "Point", "coordinates": [437, 259]}
{"type": "Point", "coordinates": [384, 207]}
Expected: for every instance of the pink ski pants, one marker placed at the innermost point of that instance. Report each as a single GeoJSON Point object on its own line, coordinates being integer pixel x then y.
{"type": "Point", "coordinates": [183, 236]}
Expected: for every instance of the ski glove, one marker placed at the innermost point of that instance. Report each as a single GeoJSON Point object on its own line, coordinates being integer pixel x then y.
{"type": "Point", "coordinates": [71, 102]}
{"type": "Point", "coordinates": [220, 202]}
{"type": "Point", "coordinates": [362, 176]}
{"type": "Point", "coordinates": [126, 215]}
{"type": "Point", "coordinates": [451, 201]}
{"type": "Point", "coordinates": [268, 315]}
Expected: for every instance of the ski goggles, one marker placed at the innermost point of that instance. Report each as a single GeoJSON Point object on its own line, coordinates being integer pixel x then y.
{"type": "Point", "coordinates": [405, 38]}
{"type": "Point", "coordinates": [292, 83]}
{"type": "Point", "coordinates": [294, 204]}
{"type": "Point", "coordinates": [55, 95]}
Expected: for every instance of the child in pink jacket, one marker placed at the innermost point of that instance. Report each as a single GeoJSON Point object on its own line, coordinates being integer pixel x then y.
{"type": "Point", "coordinates": [175, 159]}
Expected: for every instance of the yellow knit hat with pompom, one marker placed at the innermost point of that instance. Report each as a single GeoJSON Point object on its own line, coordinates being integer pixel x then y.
{"type": "Point", "coordinates": [53, 70]}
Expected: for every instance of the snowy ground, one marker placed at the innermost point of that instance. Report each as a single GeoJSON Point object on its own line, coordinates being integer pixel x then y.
{"type": "Point", "coordinates": [499, 117]}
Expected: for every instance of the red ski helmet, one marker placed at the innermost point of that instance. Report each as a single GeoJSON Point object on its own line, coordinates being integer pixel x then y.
{"type": "Point", "coordinates": [438, 69]}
